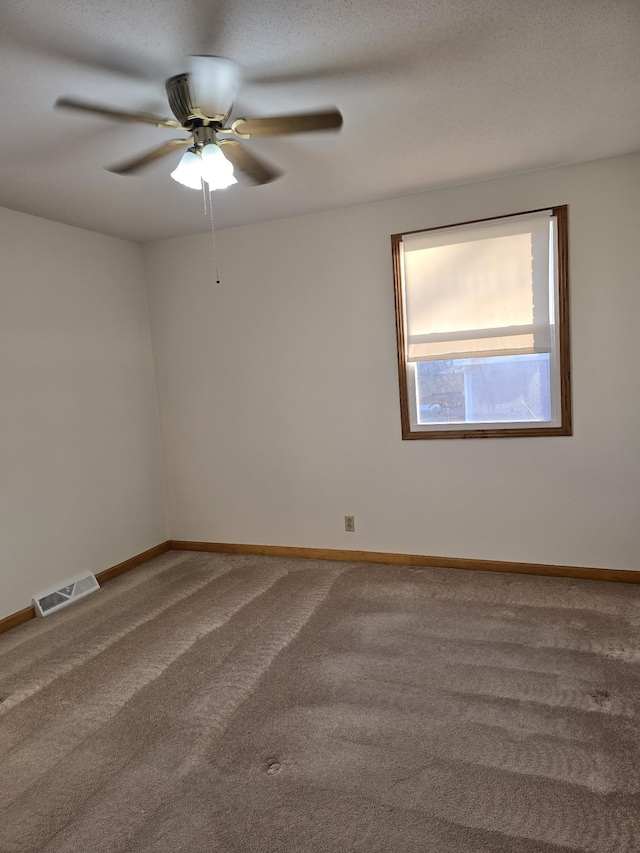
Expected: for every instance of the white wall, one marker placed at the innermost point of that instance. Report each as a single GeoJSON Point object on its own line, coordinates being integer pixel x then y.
{"type": "Point", "coordinates": [279, 395]}
{"type": "Point", "coordinates": [80, 465]}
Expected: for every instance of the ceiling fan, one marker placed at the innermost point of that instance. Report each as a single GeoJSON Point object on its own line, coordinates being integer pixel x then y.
{"type": "Point", "coordinates": [202, 103]}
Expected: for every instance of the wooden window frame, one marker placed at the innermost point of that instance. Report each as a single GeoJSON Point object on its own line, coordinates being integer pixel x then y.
{"type": "Point", "coordinates": [562, 319]}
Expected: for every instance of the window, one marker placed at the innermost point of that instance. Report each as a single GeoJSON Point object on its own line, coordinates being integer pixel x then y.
{"type": "Point", "coordinates": [483, 327]}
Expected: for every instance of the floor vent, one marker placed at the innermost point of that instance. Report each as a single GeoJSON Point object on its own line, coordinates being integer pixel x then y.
{"type": "Point", "coordinates": [49, 602]}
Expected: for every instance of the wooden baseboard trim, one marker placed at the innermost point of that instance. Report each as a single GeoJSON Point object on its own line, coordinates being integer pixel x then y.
{"type": "Point", "coordinates": [21, 616]}
{"type": "Point", "coordinates": [420, 560]}
{"type": "Point", "coordinates": [583, 572]}
{"type": "Point", "coordinates": [16, 619]}
{"type": "Point", "coordinates": [132, 562]}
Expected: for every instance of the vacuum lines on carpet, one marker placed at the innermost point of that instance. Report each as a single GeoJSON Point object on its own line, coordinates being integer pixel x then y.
{"type": "Point", "coordinates": [209, 702]}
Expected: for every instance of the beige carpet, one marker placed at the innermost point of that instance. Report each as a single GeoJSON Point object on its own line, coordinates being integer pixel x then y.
{"type": "Point", "coordinates": [218, 703]}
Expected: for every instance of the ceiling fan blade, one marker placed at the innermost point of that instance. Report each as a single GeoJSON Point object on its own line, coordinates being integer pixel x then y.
{"type": "Point", "coordinates": [117, 115]}
{"type": "Point", "coordinates": [256, 169]}
{"type": "Point", "coordinates": [350, 69]}
{"type": "Point", "coordinates": [23, 29]}
{"type": "Point", "coordinates": [129, 167]}
{"type": "Point", "coordinates": [280, 125]}
{"type": "Point", "coordinates": [215, 81]}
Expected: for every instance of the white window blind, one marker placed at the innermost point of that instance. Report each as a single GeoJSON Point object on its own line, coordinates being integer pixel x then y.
{"type": "Point", "coordinates": [479, 290]}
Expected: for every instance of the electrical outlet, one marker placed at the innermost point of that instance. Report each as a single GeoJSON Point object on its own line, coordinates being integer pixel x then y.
{"type": "Point", "coordinates": [350, 523]}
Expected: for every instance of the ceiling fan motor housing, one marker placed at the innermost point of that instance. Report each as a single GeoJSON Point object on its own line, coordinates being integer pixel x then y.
{"type": "Point", "coordinates": [181, 99]}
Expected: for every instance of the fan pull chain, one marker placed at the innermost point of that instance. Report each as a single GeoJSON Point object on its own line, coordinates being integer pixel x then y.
{"type": "Point", "coordinates": [213, 232]}
{"type": "Point", "coordinates": [213, 240]}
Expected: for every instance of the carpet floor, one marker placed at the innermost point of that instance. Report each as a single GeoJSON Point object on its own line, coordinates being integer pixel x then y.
{"type": "Point", "coordinates": [208, 702]}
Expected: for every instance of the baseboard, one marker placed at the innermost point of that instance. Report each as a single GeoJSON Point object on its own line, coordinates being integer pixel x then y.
{"type": "Point", "coordinates": [420, 560]}
{"type": "Point", "coordinates": [21, 616]}
{"type": "Point", "coordinates": [132, 562]}
{"type": "Point", "coordinates": [16, 619]}
{"type": "Point", "coordinates": [583, 572]}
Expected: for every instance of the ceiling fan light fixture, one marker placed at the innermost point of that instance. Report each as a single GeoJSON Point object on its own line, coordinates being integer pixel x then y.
{"type": "Point", "coordinates": [188, 172]}
{"type": "Point", "coordinates": [216, 170]}
{"type": "Point", "coordinates": [206, 164]}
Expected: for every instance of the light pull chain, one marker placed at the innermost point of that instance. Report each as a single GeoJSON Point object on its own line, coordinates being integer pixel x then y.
{"type": "Point", "coordinates": [213, 230]}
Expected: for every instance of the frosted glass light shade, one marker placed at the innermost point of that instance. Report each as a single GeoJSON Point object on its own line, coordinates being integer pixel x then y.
{"type": "Point", "coordinates": [188, 172]}
{"type": "Point", "coordinates": [217, 171]}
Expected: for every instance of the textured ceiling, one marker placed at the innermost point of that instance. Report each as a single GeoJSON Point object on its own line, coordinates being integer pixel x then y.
{"type": "Point", "coordinates": [433, 93]}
